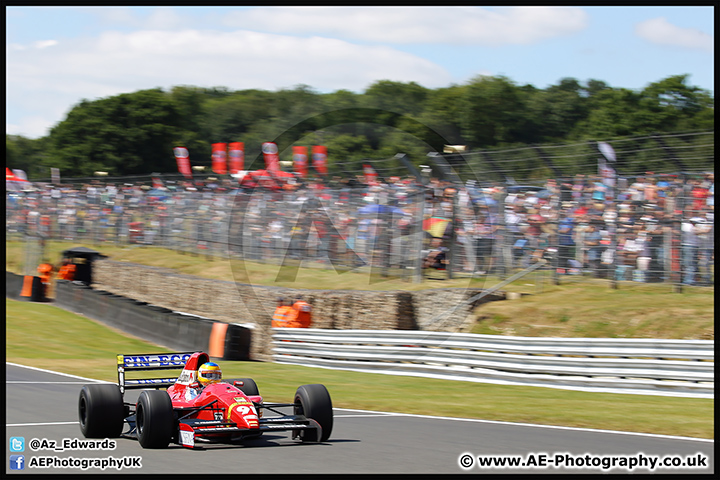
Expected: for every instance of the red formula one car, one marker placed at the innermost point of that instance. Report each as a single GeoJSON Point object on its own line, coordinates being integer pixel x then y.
{"type": "Point", "coordinates": [228, 411]}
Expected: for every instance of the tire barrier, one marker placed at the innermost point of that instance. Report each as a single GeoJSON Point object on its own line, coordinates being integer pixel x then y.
{"type": "Point", "coordinates": [33, 289]}
{"type": "Point", "coordinates": [229, 341]}
{"type": "Point", "coordinates": [155, 324]}
{"type": "Point", "coordinates": [216, 347]}
{"type": "Point", "coordinates": [24, 287]}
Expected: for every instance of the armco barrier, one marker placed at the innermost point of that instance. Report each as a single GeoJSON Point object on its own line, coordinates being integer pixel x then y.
{"type": "Point", "coordinates": [155, 324]}
{"type": "Point", "coordinates": [13, 285]}
{"type": "Point", "coordinates": [642, 366]}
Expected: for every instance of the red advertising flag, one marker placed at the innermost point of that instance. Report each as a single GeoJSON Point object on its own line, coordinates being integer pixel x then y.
{"type": "Point", "coordinates": [319, 158]}
{"type": "Point", "coordinates": [370, 174]}
{"type": "Point", "coordinates": [237, 156]}
{"type": "Point", "coordinates": [272, 159]}
{"type": "Point", "coordinates": [300, 161]}
{"type": "Point", "coordinates": [20, 175]}
{"type": "Point", "coordinates": [156, 180]}
{"type": "Point", "coordinates": [219, 158]}
{"type": "Point", "coordinates": [11, 181]}
{"type": "Point", "coordinates": [183, 160]}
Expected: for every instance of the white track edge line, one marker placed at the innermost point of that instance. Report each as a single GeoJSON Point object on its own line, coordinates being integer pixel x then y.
{"type": "Point", "coordinates": [43, 424]}
{"type": "Point", "coordinates": [54, 372]}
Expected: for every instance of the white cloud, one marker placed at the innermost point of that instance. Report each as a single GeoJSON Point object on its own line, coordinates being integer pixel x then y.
{"type": "Point", "coordinates": [117, 63]}
{"type": "Point", "coordinates": [662, 32]}
{"type": "Point", "coordinates": [405, 25]}
{"type": "Point", "coordinates": [37, 45]}
{"type": "Point", "coordinates": [164, 18]}
{"type": "Point", "coordinates": [45, 43]}
{"type": "Point", "coordinates": [110, 16]}
{"type": "Point", "coordinates": [239, 59]}
{"type": "Point", "coordinates": [138, 18]}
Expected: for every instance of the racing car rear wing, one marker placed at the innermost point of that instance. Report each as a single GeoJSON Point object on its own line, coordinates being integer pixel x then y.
{"type": "Point", "coordinates": [153, 361]}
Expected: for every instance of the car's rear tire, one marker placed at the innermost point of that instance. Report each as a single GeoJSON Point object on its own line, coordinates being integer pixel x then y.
{"type": "Point", "coordinates": [314, 402]}
{"type": "Point", "coordinates": [249, 387]}
{"type": "Point", "coordinates": [154, 419]}
{"type": "Point", "coordinates": [101, 411]}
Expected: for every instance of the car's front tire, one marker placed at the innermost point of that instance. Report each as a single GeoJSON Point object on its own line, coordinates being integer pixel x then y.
{"type": "Point", "coordinates": [314, 402]}
{"type": "Point", "coordinates": [154, 419]}
{"type": "Point", "coordinates": [249, 387]}
{"type": "Point", "coordinates": [101, 411]}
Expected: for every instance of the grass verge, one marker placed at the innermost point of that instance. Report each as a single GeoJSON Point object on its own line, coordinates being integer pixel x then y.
{"type": "Point", "coordinates": [44, 336]}
{"type": "Point", "coordinates": [591, 309]}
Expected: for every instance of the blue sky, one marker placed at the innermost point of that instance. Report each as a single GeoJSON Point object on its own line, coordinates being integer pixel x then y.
{"type": "Point", "coordinates": [57, 56]}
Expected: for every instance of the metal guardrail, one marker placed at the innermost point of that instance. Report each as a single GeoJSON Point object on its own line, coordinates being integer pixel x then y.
{"type": "Point", "coordinates": [641, 366]}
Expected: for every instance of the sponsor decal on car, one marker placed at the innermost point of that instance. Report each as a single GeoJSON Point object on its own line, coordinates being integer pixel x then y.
{"type": "Point", "coordinates": [187, 436]}
{"type": "Point", "coordinates": [242, 408]}
{"type": "Point", "coordinates": [186, 377]}
{"type": "Point", "coordinates": [153, 360]}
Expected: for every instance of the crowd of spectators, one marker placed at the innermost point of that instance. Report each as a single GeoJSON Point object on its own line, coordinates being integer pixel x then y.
{"type": "Point", "coordinates": [97, 212]}
{"type": "Point", "coordinates": [642, 229]}
{"type": "Point", "coordinates": [634, 227]}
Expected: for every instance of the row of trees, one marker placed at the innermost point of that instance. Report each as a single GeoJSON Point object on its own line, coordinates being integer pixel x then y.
{"type": "Point", "coordinates": [135, 133]}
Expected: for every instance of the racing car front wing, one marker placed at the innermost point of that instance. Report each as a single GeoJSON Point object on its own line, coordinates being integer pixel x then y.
{"type": "Point", "coordinates": [191, 429]}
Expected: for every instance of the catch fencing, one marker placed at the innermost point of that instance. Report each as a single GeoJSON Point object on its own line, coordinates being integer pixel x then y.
{"type": "Point", "coordinates": [642, 228]}
{"type": "Point", "coordinates": [637, 366]}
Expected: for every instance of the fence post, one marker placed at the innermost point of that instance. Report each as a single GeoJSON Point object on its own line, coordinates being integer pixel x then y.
{"type": "Point", "coordinates": [676, 234]}
{"type": "Point", "coordinates": [613, 239]}
{"type": "Point", "coordinates": [419, 233]}
{"type": "Point", "coordinates": [554, 242]}
{"type": "Point", "coordinates": [452, 251]}
{"type": "Point", "coordinates": [385, 239]}
{"type": "Point", "coordinates": [505, 239]}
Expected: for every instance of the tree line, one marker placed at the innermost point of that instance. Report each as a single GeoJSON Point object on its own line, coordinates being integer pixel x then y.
{"type": "Point", "coordinates": [135, 133]}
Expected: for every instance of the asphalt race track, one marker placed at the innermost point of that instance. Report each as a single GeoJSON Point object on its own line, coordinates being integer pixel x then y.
{"type": "Point", "coordinates": [43, 405]}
